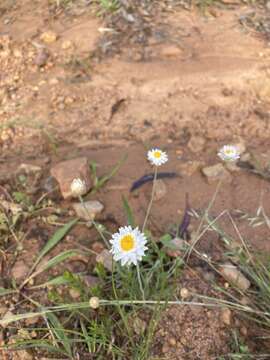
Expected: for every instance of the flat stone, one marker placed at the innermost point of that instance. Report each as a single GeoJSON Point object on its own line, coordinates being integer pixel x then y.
{"type": "Point", "coordinates": [234, 276]}
{"type": "Point", "coordinates": [216, 172]}
{"type": "Point", "coordinates": [106, 259]}
{"type": "Point", "coordinates": [226, 316]}
{"type": "Point", "coordinates": [232, 166]}
{"type": "Point", "coordinates": [171, 51]}
{"type": "Point", "coordinates": [6, 316]}
{"type": "Point", "coordinates": [88, 210]}
{"type": "Point", "coordinates": [177, 247]}
{"type": "Point", "coordinates": [66, 171]}
{"type": "Point", "coordinates": [245, 157]}
{"type": "Point", "coordinates": [19, 270]}
{"type": "Point", "coordinates": [209, 276]}
{"type": "Point", "coordinates": [160, 190]}
{"type": "Point", "coordinates": [41, 57]}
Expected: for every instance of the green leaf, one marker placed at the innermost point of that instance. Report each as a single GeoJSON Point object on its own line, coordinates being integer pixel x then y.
{"type": "Point", "coordinates": [102, 181]}
{"type": "Point", "coordinates": [54, 240]}
{"type": "Point", "coordinates": [20, 197]}
{"type": "Point", "coordinates": [28, 344]}
{"type": "Point", "coordinates": [4, 291]}
{"type": "Point", "coordinates": [86, 336]}
{"type": "Point", "coordinates": [166, 241]}
{"type": "Point", "coordinates": [128, 211]}
{"type": "Point", "coordinates": [56, 260]}
{"type": "Point", "coordinates": [93, 167]}
{"type": "Point", "coordinates": [59, 332]}
{"type": "Point", "coordinates": [58, 280]}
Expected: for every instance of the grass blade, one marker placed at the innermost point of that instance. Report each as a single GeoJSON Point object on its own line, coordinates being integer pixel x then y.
{"type": "Point", "coordinates": [56, 260]}
{"type": "Point", "coordinates": [128, 211]}
{"type": "Point", "coordinates": [54, 240]}
{"type": "Point", "coordinates": [102, 181]}
{"type": "Point", "coordinates": [4, 291]}
{"type": "Point", "coordinates": [28, 344]}
{"type": "Point", "coordinates": [58, 280]}
{"type": "Point", "coordinates": [86, 336]}
{"type": "Point", "coordinates": [59, 332]}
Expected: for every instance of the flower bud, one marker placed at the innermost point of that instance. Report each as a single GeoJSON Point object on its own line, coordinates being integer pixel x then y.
{"type": "Point", "coordinates": [78, 187]}
{"type": "Point", "coordinates": [94, 302]}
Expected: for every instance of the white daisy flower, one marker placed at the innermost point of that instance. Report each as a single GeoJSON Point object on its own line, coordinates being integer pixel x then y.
{"type": "Point", "coordinates": [229, 153]}
{"type": "Point", "coordinates": [78, 187]}
{"type": "Point", "coordinates": [128, 245]}
{"type": "Point", "coordinates": [157, 157]}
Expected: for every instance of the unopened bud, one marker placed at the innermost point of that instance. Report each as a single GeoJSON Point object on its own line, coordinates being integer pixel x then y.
{"type": "Point", "coordinates": [94, 302]}
{"type": "Point", "coordinates": [78, 187]}
{"type": "Point", "coordinates": [184, 293]}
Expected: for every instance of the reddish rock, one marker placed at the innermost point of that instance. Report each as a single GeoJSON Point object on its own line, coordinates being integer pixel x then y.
{"type": "Point", "coordinates": [66, 171]}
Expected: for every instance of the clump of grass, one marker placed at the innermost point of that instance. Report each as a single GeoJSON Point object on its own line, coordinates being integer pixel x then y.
{"type": "Point", "coordinates": [124, 323]}
{"type": "Point", "coordinates": [254, 266]}
{"type": "Point", "coordinates": [123, 330]}
{"type": "Point", "coordinates": [109, 5]}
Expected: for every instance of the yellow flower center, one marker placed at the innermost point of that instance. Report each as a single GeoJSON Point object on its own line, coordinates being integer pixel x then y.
{"type": "Point", "coordinates": [157, 154]}
{"type": "Point", "coordinates": [127, 242]}
{"type": "Point", "coordinates": [229, 152]}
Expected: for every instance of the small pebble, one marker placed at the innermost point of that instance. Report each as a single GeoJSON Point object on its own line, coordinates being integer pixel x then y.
{"type": "Point", "coordinates": [48, 37]}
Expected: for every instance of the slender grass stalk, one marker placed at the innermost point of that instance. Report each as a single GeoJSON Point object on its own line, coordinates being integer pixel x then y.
{"type": "Point", "coordinates": [123, 317]}
{"type": "Point", "coordinates": [140, 280]}
{"type": "Point", "coordinates": [95, 224]}
{"type": "Point", "coordinates": [151, 199]}
{"type": "Point", "coordinates": [198, 235]}
{"type": "Point", "coordinates": [217, 303]}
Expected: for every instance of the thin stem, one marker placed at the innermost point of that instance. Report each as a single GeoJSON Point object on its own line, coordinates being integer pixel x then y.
{"type": "Point", "coordinates": [198, 235]}
{"type": "Point", "coordinates": [151, 200]}
{"type": "Point", "coordinates": [84, 305]}
{"type": "Point", "coordinates": [94, 223]}
{"type": "Point", "coordinates": [121, 312]}
{"type": "Point", "coordinates": [140, 280]}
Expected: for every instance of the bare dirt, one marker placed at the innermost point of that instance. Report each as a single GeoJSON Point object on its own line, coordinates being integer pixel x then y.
{"type": "Point", "coordinates": [156, 75]}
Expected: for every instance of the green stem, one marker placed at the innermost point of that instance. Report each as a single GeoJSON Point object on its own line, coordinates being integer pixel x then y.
{"type": "Point", "coordinates": [217, 303]}
{"type": "Point", "coordinates": [151, 200]}
{"type": "Point", "coordinates": [140, 280]}
{"type": "Point", "coordinates": [121, 312]}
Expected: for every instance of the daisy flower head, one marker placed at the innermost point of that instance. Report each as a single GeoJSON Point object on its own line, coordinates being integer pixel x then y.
{"type": "Point", "coordinates": [229, 153]}
{"type": "Point", "coordinates": [157, 157]}
{"type": "Point", "coordinates": [78, 187]}
{"type": "Point", "coordinates": [128, 245]}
